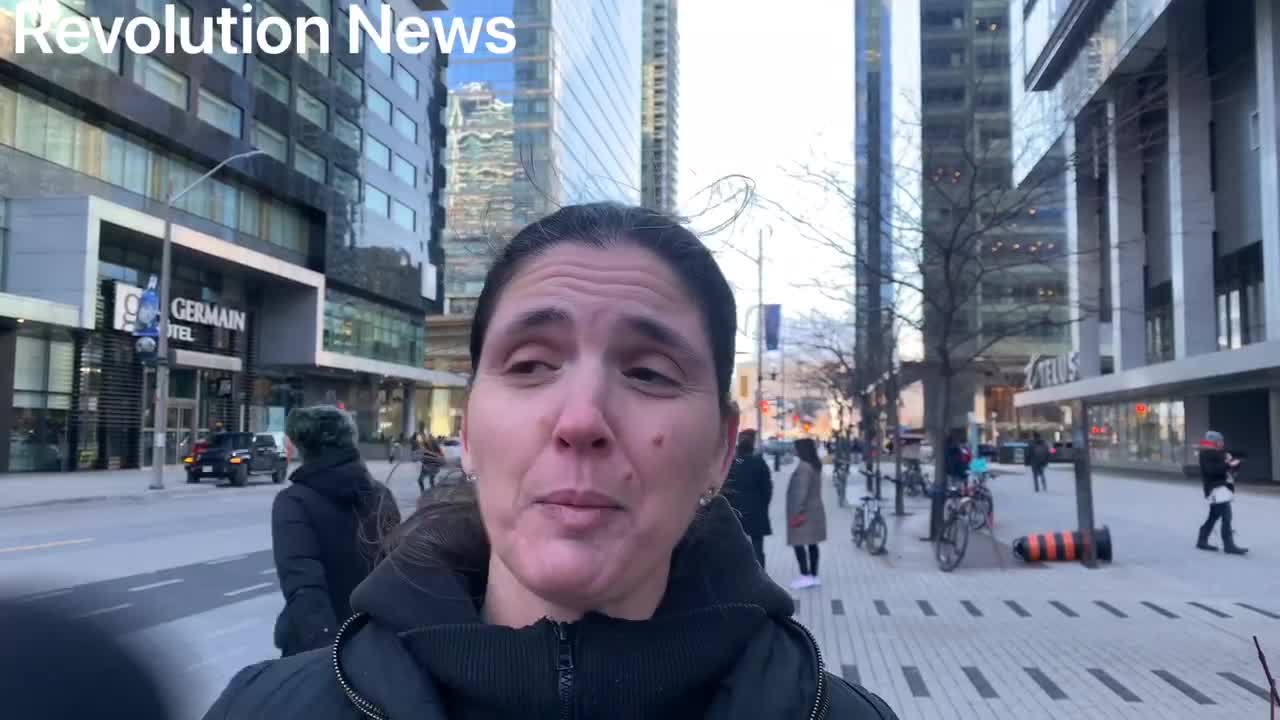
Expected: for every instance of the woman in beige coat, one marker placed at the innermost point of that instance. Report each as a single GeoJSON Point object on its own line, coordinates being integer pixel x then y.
{"type": "Point", "coordinates": [806, 517]}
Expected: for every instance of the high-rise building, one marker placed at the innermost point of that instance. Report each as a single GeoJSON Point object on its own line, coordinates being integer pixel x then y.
{"type": "Point", "coordinates": [1010, 309]}
{"type": "Point", "coordinates": [659, 141]}
{"type": "Point", "coordinates": [1173, 107]}
{"type": "Point", "coordinates": [300, 276]}
{"type": "Point", "coordinates": [554, 123]}
{"type": "Point", "coordinates": [873, 195]}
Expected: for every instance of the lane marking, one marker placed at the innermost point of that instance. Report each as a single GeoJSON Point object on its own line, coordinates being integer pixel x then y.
{"type": "Point", "coordinates": [104, 611]}
{"type": "Point", "coordinates": [1183, 687]}
{"type": "Point", "coordinates": [226, 560]}
{"type": "Point", "coordinates": [1050, 687]}
{"type": "Point", "coordinates": [244, 590]}
{"type": "Point", "coordinates": [1114, 685]}
{"type": "Point", "coordinates": [46, 595]}
{"type": "Point", "coordinates": [268, 571]}
{"type": "Point", "coordinates": [154, 585]}
{"type": "Point", "coordinates": [45, 546]}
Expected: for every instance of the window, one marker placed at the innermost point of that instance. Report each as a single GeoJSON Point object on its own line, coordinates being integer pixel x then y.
{"type": "Point", "coordinates": [406, 81]}
{"type": "Point", "coordinates": [271, 141]}
{"type": "Point", "coordinates": [405, 170]}
{"type": "Point", "coordinates": [155, 8]}
{"type": "Point", "coordinates": [309, 163]}
{"type": "Point", "coordinates": [348, 80]}
{"type": "Point", "coordinates": [267, 10]}
{"type": "Point", "coordinates": [377, 153]}
{"type": "Point", "coordinates": [380, 105]}
{"type": "Point", "coordinates": [319, 7]}
{"type": "Point", "coordinates": [219, 113]}
{"type": "Point", "coordinates": [347, 131]}
{"type": "Point", "coordinates": [377, 58]}
{"type": "Point", "coordinates": [158, 79]}
{"type": "Point", "coordinates": [402, 215]}
{"type": "Point", "coordinates": [312, 108]}
{"type": "Point", "coordinates": [272, 81]}
{"type": "Point", "coordinates": [405, 125]}
{"type": "Point", "coordinates": [355, 326]}
{"type": "Point", "coordinates": [345, 182]}
{"type": "Point", "coordinates": [233, 61]}
{"type": "Point", "coordinates": [376, 200]}
{"type": "Point", "coordinates": [42, 376]}
{"type": "Point", "coordinates": [314, 57]}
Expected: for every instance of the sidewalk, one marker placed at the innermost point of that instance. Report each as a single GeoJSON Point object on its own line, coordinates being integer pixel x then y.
{"type": "Point", "coordinates": [29, 490]}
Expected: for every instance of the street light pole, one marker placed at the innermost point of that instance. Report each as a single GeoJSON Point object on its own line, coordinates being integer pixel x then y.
{"type": "Point", "coordinates": [160, 422]}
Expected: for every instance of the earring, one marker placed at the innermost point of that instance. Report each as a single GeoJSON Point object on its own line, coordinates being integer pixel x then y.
{"type": "Point", "coordinates": [471, 477]}
{"type": "Point", "coordinates": [706, 497]}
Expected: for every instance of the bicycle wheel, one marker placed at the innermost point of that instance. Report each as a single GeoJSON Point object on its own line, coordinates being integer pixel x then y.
{"type": "Point", "coordinates": [857, 531]}
{"type": "Point", "coordinates": [953, 540]}
{"type": "Point", "coordinates": [979, 510]}
{"type": "Point", "coordinates": [877, 534]}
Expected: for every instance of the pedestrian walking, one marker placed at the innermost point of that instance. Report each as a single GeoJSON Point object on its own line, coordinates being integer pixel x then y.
{"type": "Point", "coordinates": [1217, 472]}
{"type": "Point", "coordinates": [1038, 459]}
{"type": "Point", "coordinates": [430, 458]}
{"type": "Point", "coordinates": [591, 568]}
{"type": "Point", "coordinates": [325, 528]}
{"type": "Point", "coordinates": [806, 516]}
{"type": "Point", "coordinates": [749, 490]}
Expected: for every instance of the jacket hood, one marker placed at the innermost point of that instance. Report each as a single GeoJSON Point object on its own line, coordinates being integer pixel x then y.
{"type": "Point", "coordinates": [720, 638]}
{"type": "Point", "coordinates": [336, 473]}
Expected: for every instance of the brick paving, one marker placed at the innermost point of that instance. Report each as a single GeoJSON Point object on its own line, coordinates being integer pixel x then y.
{"type": "Point", "coordinates": [1000, 639]}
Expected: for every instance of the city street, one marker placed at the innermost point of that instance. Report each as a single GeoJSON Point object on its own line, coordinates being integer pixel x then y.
{"type": "Point", "coordinates": [1165, 631]}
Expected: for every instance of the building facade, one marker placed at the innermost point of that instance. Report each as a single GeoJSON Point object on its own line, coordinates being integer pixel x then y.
{"type": "Point", "coordinates": [1174, 218]}
{"type": "Point", "coordinates": [874, 220]}
{"type": "Point", "coordinates": [1010, 308]}
{"type": "Point", "coordinates": [554, 123]}
{"type": "Point", "coordinates": [659, 140]}
{"type": "Point", "coordinates": [299, 276]}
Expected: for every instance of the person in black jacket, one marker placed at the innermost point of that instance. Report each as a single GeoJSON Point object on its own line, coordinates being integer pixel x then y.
{"type": "Point", "coordinates": [325, 528]}
{"type": "Point", "coordinates": [1217, 472]}
{"type": "Point", "coordinates": [749, 490]}
{"type": "Point", "coordinates": [590, 567]}
{"type": "Point", "coordinates": [1038, 459]}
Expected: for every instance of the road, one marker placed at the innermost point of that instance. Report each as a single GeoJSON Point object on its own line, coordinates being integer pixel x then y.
{"type": "Point", "coordinates": [1165, 631]}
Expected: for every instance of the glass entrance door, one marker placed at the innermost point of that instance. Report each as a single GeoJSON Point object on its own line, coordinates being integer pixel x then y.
{"type": "Point", "coordinates": [180, 430]}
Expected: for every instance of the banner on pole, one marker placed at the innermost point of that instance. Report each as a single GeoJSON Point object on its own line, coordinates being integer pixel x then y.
{"type": "Point", "coordinates": [772, 326]}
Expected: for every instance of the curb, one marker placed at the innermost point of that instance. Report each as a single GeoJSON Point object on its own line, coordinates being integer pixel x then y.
{"type": "Point", "coordinates": [135, 497]}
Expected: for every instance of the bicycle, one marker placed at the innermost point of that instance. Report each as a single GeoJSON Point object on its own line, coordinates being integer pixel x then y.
{"type": "Point", "coordinates": [953, 536]}
{"type": "Point", "coordinates": [869, 526]}
{"type": "Point", "coordinates": [984, 502]}
{"type": "Point", "coordinates": [840, 475]}
{"type": "Point", "coordinates": [913, 479]}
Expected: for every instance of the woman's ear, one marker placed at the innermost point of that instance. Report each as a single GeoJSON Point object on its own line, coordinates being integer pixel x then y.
{"type": "Point", "coordinates": [732, 421]}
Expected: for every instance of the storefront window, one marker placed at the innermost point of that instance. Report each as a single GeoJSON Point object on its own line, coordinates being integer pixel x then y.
{"type": "Point", "coordinates": [355, 326]}
{"type": "Point", "coordinates": [1149, 433]}
{"type": "Point", "coordinates": [42, 378]}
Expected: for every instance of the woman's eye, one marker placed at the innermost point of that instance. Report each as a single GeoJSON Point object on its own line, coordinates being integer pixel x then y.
{"type": "Point", "coordinates": [649, 376]}
{"type": "Point", "coordinates": [529, 367]}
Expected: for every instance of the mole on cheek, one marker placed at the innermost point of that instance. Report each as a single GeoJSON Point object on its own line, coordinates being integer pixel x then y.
{"type": "Point", "coordinates": [657, 440]}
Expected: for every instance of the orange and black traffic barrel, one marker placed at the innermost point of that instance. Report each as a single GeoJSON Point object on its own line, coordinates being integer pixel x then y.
{"type": "Point", "coordinates": [1063, 546]}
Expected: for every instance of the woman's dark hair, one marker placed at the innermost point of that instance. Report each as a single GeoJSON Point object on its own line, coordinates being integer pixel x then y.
{"type": "Point", "coordinates": [606, 225]}
{"type": "Point", "coordinates": [447, 530]}
{"type": "Point", "coordinates": [807, 450]}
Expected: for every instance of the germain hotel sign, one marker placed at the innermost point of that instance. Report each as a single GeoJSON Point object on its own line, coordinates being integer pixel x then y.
{"type": "Point", "coordinates": [129, 300]}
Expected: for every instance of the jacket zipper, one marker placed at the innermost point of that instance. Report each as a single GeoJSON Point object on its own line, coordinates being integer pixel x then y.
{"type": "Point", "coordinates": [564, 669]}
{"type": "Point", "coordinates": [366, 708]}
{"type": "Point", "coordinates": [822, 701]}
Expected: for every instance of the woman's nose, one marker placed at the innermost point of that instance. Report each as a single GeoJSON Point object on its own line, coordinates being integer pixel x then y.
{"type": "Point", "coordinates": [582, 425]}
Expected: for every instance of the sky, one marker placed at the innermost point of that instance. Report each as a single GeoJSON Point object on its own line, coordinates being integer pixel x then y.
{"type": "Point", "coordinates": [766, 92]}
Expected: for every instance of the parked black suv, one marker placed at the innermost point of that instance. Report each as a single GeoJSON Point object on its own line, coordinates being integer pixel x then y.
{"type": "Point", "coordinates": [235, 456]}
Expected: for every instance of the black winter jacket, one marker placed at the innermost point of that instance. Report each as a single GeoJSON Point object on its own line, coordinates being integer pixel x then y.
{"type": "Point", "coordinates": [1214, 470]}
{"type": "Point", "coordinates": [721, 646]}
{"type": "Point", "coordinates": [749, 490]}
{"type": "Point", "coordinates": [325, 530]}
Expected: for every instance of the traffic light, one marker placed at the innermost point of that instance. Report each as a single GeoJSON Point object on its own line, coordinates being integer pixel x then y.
{"type": "Point", "coordinates": [764, 406]}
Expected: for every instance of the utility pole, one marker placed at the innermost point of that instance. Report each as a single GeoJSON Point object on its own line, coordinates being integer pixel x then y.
{"type": "Point", "coordinates": [161, 420]}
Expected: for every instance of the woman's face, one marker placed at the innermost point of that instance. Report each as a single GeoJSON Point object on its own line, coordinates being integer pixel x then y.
{"type": "Point", "coordinates": [594, 423]}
